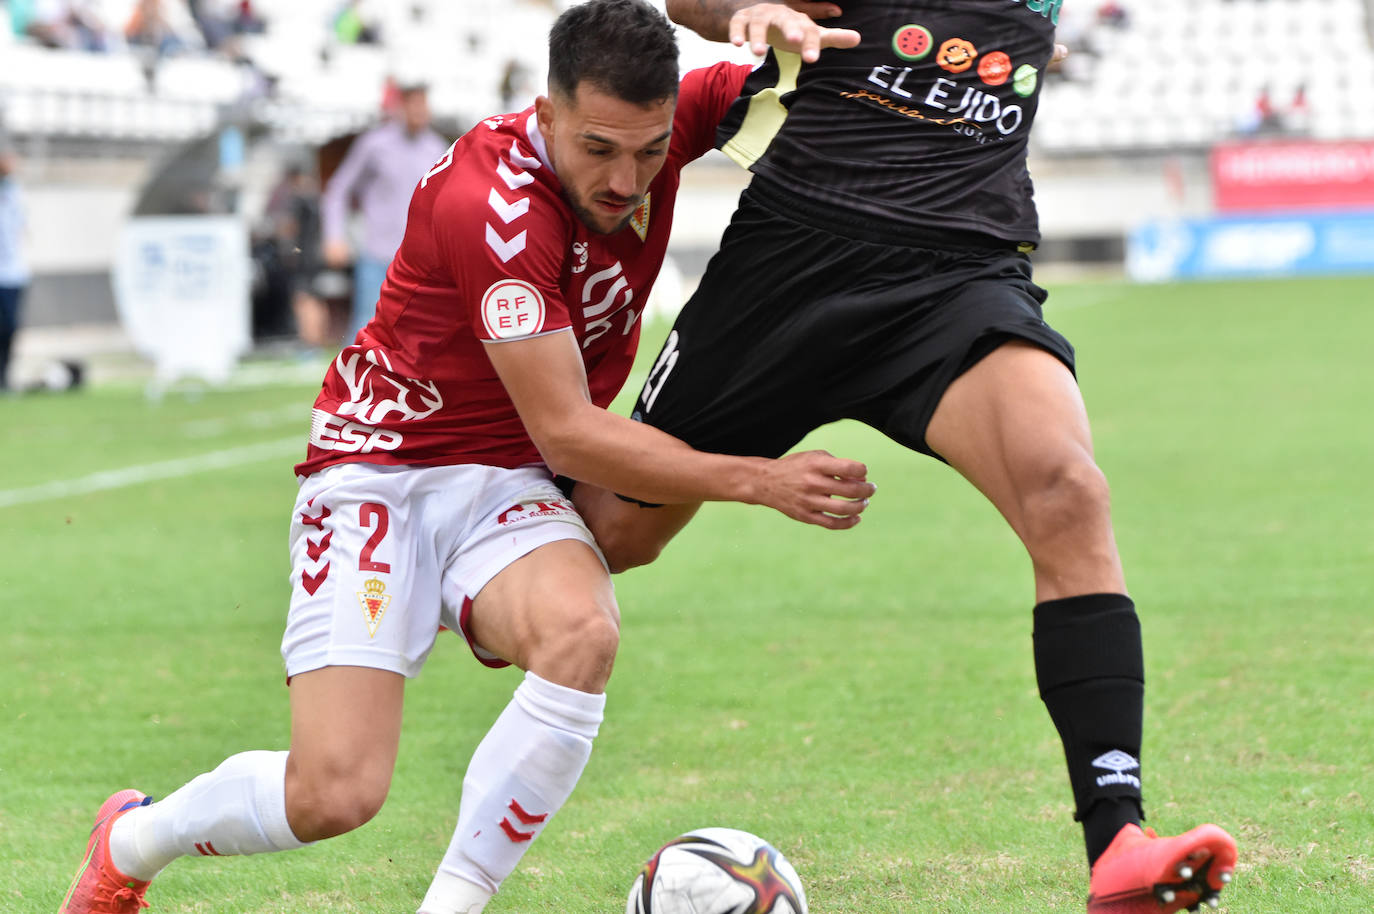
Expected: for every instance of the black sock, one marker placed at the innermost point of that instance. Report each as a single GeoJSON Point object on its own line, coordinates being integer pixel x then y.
{"type": "Point", "coordinates": [1105, 819]}
{"type": "Point", "coordinates": [1091, 673]}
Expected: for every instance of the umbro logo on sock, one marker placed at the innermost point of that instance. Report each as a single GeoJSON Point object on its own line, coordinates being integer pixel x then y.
{"type": "Point", "coordinates": [1118, 763]}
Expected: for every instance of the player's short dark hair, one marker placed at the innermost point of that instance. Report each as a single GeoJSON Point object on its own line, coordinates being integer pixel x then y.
{"type": "Point", "coordinates": [624, 48]}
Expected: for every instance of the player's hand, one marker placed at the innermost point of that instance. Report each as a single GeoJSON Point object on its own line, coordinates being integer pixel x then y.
{"type": "Point", "coordinates": [789, 29]}
{"type": "Point", "coordinates": [337, 254]}
{"type": "Point", "coordinates": [818, 488]}
{"type": "Point", "coordinates": [816, 10]}
{"type": "Point", "coordinates": [1061, 51]}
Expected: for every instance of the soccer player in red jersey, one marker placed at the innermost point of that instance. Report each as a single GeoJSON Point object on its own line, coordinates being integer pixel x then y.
{"type": "Point", "coordinates": [877, 269]}
{"type": "Point", "coordinates": [507, 322]}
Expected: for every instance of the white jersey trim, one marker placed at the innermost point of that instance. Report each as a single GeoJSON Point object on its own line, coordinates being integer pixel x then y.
{"type": "Point", "coordinates": [536, 138]}
{"type": "Point", "coordinates": [516, 339]}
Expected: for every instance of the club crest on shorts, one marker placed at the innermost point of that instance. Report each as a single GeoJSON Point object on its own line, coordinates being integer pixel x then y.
{"type": "Point", "coordinates": [374, 600]}
{"type": "Point", "coordinates": [639, 219]}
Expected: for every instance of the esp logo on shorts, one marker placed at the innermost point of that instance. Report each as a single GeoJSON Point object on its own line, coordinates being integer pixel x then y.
{"type": "Point", "coordinates": [512, 308]}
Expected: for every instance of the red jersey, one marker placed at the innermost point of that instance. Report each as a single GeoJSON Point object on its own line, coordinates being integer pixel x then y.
{"type": "Point", "coordinates": [492, 251]}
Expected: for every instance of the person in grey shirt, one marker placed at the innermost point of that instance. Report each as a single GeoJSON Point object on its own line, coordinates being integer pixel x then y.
{"type": "Point", "coordinates": [14, 272]}
{"type": "Point", "coordinates": [380, 172]}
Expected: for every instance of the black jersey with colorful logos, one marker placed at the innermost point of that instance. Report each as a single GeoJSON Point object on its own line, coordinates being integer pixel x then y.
{"type": "Point", "coordinates": [921, 128]}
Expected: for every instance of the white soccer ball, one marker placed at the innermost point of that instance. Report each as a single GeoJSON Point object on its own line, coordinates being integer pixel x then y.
{"type": "Point", "coordinates": [717, 871]}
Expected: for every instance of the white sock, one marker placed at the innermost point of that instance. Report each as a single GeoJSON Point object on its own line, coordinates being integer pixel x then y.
{"type": "Point", "coordinates": [522, 773]}
{"type": "Point", "coordinates": [239, 808]}
{"type": "Point", "coordinates": [450, 895]}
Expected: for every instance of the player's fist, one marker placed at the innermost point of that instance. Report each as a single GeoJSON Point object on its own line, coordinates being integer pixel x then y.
{"type": "Point", "coordinates": [816, 487]}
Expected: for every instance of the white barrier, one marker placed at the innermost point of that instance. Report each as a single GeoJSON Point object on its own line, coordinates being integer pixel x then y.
{"type": "Point", "coordinates": [181, 288]}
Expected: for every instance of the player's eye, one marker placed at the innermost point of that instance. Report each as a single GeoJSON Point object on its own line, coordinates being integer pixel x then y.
{"type": "Point", "coordinates": [656, 151]}
{"type": "Point", "coordinates": [598, 150]}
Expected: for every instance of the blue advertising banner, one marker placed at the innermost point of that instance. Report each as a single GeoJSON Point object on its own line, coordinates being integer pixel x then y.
{"type": "Point", "coordinates": [1287, 244]}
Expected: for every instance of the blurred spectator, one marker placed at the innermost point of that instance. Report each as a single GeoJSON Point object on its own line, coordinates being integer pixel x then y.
{"type": "Point", "coordinates": [1262, 118]}
{"type": "Point", "coordinates": [14, 273]}
{"type": "Point", "coordinates": [288, 257]}
{"type": "Point", "coordinates": [1114, 15]}
{"type": "Point", "coordinates": [391, 98]}
{"type": "Point", "coordinates": [69, 24]}
{"type": "Point", "coordinates": [1297, 119]}
{"type": "Point", "coordinates": [380, 171]}
{"type": "Point", "coordinates": [351, 27]}
{"type": "Point", "coordinates": [165, 26]}
{"type": "Point", "coordinates": [517, 88]}
{"type": "Point", "coordinates": [220, 21]}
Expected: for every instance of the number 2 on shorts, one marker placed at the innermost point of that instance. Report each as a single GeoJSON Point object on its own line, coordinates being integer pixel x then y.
{"type": "Point", "coordinates": [367, 512]}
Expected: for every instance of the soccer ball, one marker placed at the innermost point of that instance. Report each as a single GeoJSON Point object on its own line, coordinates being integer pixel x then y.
{"type": "Point", "coordinates": [717, 871]}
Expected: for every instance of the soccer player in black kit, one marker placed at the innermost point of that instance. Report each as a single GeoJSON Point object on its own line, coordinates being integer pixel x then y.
{"type": "Point", "coordinates": [876, 269]}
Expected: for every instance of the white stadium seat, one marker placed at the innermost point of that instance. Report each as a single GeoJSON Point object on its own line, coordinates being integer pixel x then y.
{"type": "Point", "coordinates": [1182, 73]}
{"type": "Point", "coordinates": [1185, 73]}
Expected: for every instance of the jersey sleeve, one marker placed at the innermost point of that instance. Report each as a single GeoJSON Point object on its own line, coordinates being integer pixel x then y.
{"type": "Point", "coordinates": [504, 239]}
{"type": "Point", "coordinates": [703, 98]}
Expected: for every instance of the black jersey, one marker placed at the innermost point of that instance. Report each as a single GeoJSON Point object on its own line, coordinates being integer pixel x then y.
{"type": "Point", "coordinates": [921, 128]}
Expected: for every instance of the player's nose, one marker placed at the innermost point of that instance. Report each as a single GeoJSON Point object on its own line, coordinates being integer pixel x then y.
{"type": "Point", "coordinates": [622, 179]}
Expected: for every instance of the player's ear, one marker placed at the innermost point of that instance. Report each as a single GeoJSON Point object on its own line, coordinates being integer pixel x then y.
{"type": "Point", "coordinates": [544, 110]}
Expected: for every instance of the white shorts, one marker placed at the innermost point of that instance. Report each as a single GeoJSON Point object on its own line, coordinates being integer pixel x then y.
{"type": "Point", "coordinates": [382, 557]}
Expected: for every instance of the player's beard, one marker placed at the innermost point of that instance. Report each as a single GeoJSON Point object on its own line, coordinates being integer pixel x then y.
{"type": "Point", "coordinates": [588, 218]}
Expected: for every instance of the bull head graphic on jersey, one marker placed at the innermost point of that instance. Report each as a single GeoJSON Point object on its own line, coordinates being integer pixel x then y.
{"type": "Point", "coordinates": [375, 391]}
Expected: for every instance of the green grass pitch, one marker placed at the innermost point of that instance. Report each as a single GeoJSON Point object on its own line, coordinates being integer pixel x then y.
{"type": "Point", "coordinates": [865, 700]}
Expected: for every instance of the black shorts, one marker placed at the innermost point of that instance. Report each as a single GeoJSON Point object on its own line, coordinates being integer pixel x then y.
{"type": "Point", "coordinates": [794, 326]}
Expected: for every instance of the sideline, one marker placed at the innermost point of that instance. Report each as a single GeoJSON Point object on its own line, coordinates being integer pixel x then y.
{"type": "Point", "coordinates": [148, 472]}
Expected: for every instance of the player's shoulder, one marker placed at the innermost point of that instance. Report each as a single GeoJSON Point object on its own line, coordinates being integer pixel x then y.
{"type": "Point", "coordinates": [502, 157]}
{"type": "Point", "coordinates": [722, 78]}
{"type": "Point", "coordinates": [704, 97]}
{"type": "Point", "coordinates": [495, 195]}
{"type": "Point", "coordinates": [378, 135]}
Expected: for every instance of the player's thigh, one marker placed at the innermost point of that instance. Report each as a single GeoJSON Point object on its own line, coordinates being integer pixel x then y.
{"type": "Point", "coordinates": [527, 584]}
{"type": "Point", "coordinates": [629, 533]}
{"type": "Point", "coordinates": [346, 724]}
{"type": "Point", "coordinates": [1012, 418]}
{"type": "Point", "coordinates": [552, 611]}
{"type": "Point", "coordinates": [738, 374]}
{"type": "Point", "coordinates": [367, 561]}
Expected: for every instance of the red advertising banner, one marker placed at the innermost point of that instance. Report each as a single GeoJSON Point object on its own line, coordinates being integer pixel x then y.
{"type": "Point", "coordinates": [1293, 175]}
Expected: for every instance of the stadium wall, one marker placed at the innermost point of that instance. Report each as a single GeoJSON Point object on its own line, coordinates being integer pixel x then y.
{"type": "Point", "coordinates": [1089, 206]}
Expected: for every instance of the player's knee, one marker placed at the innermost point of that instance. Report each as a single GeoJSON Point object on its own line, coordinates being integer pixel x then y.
{"type": "Point", "coordinates": [1068, 496]}
{"type": "Point", "coordinates": [580, 651]}
{"type": "Point", "coordinates": [625, 549]}
{"type": "Point", "coordinates": [324, 801]}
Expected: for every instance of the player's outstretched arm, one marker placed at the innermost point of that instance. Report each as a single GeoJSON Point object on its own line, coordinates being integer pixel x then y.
{"type": "Point", "coordinates": [788, 26]}
{"type": "Point", "coordinates": [546, 380]}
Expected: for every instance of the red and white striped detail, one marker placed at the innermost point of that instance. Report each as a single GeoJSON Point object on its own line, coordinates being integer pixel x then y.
{"type": "Point", "coordinates": [526, 819]}
{"type": "Point", "coordinates": [315, 550]}
{"type": "Point", "coordinates": [514, 172]}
